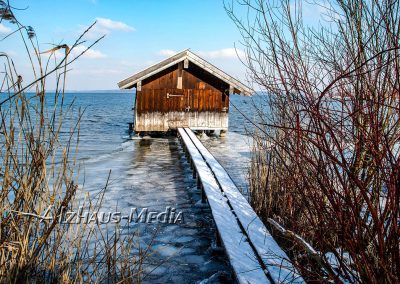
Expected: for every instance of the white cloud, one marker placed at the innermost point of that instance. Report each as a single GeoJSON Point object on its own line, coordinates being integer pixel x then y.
{"type": "Point", "coordinates": [167, 52]}
{"type": "Point", "coordinates": [4, 29]}
{"type": "Point", "coordinates": [110, 25]}
{"type": "Point", "coordinates": [11, 53]}
{"type": "Point", "coordinates": [228, 53]}
{"type": "Point", "coordinates": [105, 26]}
{"type": "Point", "coordinates": [90, 54]}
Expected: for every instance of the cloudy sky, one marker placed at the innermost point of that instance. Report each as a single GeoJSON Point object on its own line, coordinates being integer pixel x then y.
{"type": "Point", "coordinates": [138, 34]}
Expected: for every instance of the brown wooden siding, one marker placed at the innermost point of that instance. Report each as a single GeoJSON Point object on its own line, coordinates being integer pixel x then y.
{"type": "Point", "coordinates": [157, 100]}
{"type": "Point", "coordinates": [168, 79]}
{"type": "Point", "coordinates": [201, 103]}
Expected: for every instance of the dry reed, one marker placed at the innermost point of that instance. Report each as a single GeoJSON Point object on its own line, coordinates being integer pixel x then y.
{"type": "Point", "coordinates": [39, 179]}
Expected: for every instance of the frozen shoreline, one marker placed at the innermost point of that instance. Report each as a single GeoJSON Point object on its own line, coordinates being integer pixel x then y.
{"type": "Point", "coordinates": [154, 174]}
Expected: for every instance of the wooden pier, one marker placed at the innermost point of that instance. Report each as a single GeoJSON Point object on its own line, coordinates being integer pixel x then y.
{"type": "Point", "coordinates": [254, 255]}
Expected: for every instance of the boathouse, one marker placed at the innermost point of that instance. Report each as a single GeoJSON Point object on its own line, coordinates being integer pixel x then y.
{"type": "Point", "coordinates": [182, 91]}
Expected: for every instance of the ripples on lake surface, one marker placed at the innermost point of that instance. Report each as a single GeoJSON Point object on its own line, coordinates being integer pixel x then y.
{"type": "Point", "coordinates": [154, 173]}
{"type": "Point", "coordinates": [104, 135]}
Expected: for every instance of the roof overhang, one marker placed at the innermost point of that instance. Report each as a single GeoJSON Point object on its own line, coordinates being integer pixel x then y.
{"type": "Point", "coordinates": [131, 81]}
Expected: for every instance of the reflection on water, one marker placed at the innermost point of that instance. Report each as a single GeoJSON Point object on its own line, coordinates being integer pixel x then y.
{"type": "Point", "coordinates": [154, 173]}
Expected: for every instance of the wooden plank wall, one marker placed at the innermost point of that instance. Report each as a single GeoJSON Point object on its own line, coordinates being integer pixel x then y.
{"type": "Point", "coordinates": [200, 103]}
{"type": "Point", "coordinates": [166, 100]}
{"type": "Point", "coordinates": [168, 79]}
{"type": "Point", "coordinates": [157, 121]}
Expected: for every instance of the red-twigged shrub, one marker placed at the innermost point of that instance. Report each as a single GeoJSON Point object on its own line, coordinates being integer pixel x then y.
{"type": "Point", "coordinates": [326, 157]}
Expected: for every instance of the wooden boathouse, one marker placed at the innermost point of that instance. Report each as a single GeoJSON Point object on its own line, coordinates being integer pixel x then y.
{"type": "Point", "coordinates": [182, 91]}
{"type": "Point", "coordinates": [186, 93]}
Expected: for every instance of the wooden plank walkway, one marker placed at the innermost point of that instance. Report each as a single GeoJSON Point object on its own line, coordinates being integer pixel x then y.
{"type": "Point", "coordinates": [254, 255]}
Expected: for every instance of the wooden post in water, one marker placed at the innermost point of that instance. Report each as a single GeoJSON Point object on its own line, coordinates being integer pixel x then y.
{"type": "Point", "coordinates": [217, 239]}
{"type": "Point", "coordinates": [203, 195]}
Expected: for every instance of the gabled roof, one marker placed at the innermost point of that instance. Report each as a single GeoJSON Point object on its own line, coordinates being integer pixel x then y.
{"type": "Point", "coordinates": [179, 57]}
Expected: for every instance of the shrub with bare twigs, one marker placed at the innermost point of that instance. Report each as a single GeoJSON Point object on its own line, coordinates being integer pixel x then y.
{"type": "Point", "coordinates": [326, 163]}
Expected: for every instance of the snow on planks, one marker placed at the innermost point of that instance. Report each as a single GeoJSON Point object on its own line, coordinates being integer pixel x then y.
{"type": "Point", "coordinates": [274, 258]}
{"type": "Point", "coordinates": [262, 243]}
{"type": "Point", "coordinates": [241, 256]}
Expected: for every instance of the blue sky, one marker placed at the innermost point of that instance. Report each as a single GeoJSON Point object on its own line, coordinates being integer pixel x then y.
{"type": "Point", "coordinates": [138, 34]}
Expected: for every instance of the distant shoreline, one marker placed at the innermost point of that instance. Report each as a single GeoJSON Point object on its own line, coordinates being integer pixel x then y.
{"type": "Point", "coordinates": [90, 91]}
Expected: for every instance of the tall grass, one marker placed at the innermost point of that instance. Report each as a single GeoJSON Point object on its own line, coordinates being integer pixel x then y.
{"type": "Point", "coordinates": [39, 172]}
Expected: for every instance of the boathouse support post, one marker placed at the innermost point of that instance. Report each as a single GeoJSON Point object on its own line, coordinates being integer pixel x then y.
{"type": "Point", "coordinates": [218, 242]}
{"type": "Point", "coordinates": [198, 182]}
{"type": "Point", "coordinates": [203, 195]}
{"type": "Point", "coordinates": [165, 101]}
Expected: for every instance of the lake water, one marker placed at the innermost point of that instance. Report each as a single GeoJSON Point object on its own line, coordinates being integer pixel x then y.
{"type": "Point", "coordinates": [104, 133]}
{"type": "Point", "coordinates": [154, 174]}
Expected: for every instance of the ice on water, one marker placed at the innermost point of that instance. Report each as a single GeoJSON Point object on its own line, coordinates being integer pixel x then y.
{"type": "Point", "coordinates": [153, 173]}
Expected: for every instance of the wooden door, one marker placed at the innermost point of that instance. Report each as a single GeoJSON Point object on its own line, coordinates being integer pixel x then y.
{"type": "Point", "coordinates": [176, 107]}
